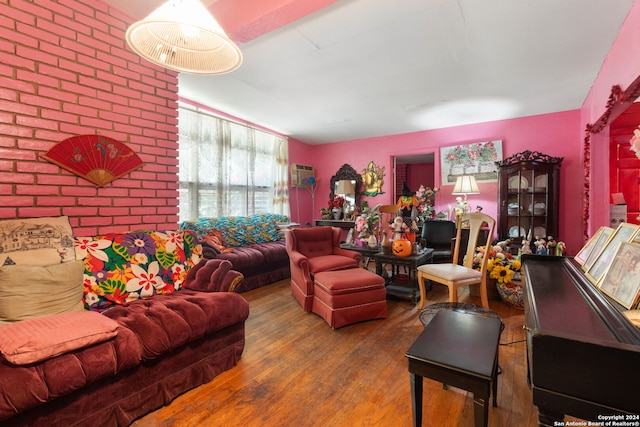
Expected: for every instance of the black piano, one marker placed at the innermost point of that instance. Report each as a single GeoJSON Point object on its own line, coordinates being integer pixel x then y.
{"type": "Point", "coordinates": [583, 355]}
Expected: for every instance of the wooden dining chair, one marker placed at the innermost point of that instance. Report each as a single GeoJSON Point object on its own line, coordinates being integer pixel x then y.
{"type": "Point", "coordinates": [454, 275]}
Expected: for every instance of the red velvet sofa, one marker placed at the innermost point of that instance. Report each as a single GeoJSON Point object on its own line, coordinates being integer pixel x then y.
{"type": "Point", "coordinates": [165, 345]}
{"type": "Point", "coordinates": [254, 244]}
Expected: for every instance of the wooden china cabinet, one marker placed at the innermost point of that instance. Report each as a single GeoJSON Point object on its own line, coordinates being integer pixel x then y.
{"type": "Point", "coordinates": [528, 196]}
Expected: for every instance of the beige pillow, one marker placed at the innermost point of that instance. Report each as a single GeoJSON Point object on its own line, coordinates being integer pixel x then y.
{"type": "Point", "coordinates": [33, 291]}
{"type": "Point", "coordinates": [34, 340]}
{"type": "Point", "coordinates": [36, 241]}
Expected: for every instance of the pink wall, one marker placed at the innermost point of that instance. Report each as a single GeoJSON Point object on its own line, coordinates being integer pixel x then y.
{"type": "Point", "coordinates": [66, 71]}
{"type": "Point", "coordinates": [555, 134]}
{"type": "Point", "coordinates": [621, 67]}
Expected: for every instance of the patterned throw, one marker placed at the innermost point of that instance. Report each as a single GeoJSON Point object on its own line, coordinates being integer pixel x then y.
{"type": "Point", "coordinates": [123, 267]}
{"type": "Point", "coordinates": [239, 231]}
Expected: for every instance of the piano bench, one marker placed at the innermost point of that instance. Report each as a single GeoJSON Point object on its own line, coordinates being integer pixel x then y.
{"type": "Point", "coordinates": [461, 350]}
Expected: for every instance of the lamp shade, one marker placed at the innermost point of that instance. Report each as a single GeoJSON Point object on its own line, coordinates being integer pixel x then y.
{"type": "Point", "coordinates": [183, 36]}
{"type": "Point", "coordinates": [345, 186]}
{"type": "Point", "coordinates": [466, 184]}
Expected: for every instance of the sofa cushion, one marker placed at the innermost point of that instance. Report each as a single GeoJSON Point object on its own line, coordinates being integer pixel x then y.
{"type": "Point", "coordinates": [28, 291]}
{"type": "Point", "coordinates": [36, 241]}
{"type": "Point", "coordinates": [239, 230]}
{"type": "Point", "coordinates": [123, 267]}
{"type": "Point", "coordinates": [66, 373]}
{"type": "Point", "coordinates": [34, 340]}
{"type": "Point", "coordinates": [167, 322]}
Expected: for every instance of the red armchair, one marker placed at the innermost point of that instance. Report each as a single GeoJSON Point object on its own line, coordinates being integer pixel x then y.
{"type": "Point", "coordinates": [311, 251]}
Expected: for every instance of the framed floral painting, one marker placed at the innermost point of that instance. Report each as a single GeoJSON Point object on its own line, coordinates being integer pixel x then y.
{"type": "Point", "coordinates": [477, 159]}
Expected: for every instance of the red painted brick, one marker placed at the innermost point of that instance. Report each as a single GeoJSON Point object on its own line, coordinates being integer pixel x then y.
{"type": "Point", "coordinates": [100, 47]}
{"type": "Point", "coordinates": [142, 194]}
{"type": "Point", "coordinates": [40, 101]}
{"type": "Point", "coordinates": [122, 220]}
{"type": "Point", "coordinates": [84, 53]}
{"type": "Point", "coordinates": [59, 116]}
{"type": "Point", "coordinates": [94, 103]}
{"type": "Point", "coordinates": [94, 82]}
{"type": "Point", "coordinates": [84, 231]}
{"type": "Point", "coordinates": [8, 94]}
{"type": "Point", "coordinates": [17, 107]}
{"type": "Point", "coordinates": [38, 212]}
{"type": "Point", "coordinates": [92, 201]}
{"type": "Point", "coordinates": [79, 191]}
{"type": "Point", "coordinates": [95, 221]}
{"type": "Point", "coordinates": [20, 15]}
{"type": "Point", "coordinates": [20, 201]}
{"type": "Point", "coordinates": [111, 58]}
{"type": "Point", "coordinates": [55, 201]}
{"type": "Point", "coordinates": [8, 213]}
{"type": "Point", "coordinates": [17, 61]}
{"type": "Point", "coordinates": [13, 154]}
{"type": "Point", "coordinates": [79, 89]}
{"type": "Point", "coordinates": [33, 9]}
{"type": "Point", "coordinates": [115, 211]}
{"type": "Point", "coordinates": [129, 201]}
{"type": "Point", "coordinates": [62, 180]}
{"type": "Point", "coordinates": [35, 122]}
{"type": "Point", "coordinates": [35, 54]}
{"type": "Point", "coordinates": [78, 110]}
{"type": "Point", "coordinates": [6, 165]}
{"type": "Point", "coordinates": [112, 192]}
{"type": "Point", "coordinates": [55, 94]}
{"type": "Point", "coordinates": [36, 190]}
{"type": "Point", "coordinates": [80, 212]}
{"type": "Point", "coordinates": [36, 168]}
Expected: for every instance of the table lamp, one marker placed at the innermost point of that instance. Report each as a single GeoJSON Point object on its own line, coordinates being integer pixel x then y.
{"type": "Point", "coordinates": [466, 184]}
{"type": "Point", "coordinates": [345, 187]}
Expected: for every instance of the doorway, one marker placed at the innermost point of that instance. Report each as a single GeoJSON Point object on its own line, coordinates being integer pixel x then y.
{"type": "Point", "coordinates": [624, 166]}
{"type": "Point", "coordinates": [415, 170]}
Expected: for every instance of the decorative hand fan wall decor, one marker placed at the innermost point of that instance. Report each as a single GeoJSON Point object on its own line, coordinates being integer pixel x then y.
{"type": "Point", "coordinates": [96, 158]}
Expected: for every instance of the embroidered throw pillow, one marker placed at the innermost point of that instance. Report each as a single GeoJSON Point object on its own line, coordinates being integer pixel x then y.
{"type": "Point", "coordinates": [36, 241]}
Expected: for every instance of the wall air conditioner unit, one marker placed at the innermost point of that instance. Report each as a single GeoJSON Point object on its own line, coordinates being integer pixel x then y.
{"type": "Point", "coordinates": [300, 175]}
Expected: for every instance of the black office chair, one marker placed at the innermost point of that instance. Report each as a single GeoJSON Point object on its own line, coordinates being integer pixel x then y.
{"type": "Point", "coordinates": [438, 235]}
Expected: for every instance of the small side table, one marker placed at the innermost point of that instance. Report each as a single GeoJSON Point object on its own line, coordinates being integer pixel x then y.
{"type": "Point", "coordinates": [412, 262]}
{"type": "Point", "coordinates": [461, 350]}
{"type": "Point", "coordinates": [365, 251]}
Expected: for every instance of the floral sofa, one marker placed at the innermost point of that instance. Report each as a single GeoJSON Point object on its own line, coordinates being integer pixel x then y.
{"type": "Point", "coordinates": [156, 321]}
{"type": "Point", "coordinates": [254, 244]}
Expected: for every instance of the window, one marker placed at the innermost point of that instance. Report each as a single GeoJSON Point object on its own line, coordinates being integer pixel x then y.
{"type": "Point", "coordinates": [226, 168]}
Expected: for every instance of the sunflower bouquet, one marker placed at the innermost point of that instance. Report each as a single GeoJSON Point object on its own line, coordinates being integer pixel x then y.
{"type": "Point", "coordinates": [501, 265]}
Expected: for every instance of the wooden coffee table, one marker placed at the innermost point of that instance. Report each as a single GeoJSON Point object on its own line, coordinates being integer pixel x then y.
{"type": "Point", "coordinates": [411, 262]}
{"type": "Point", "coordinates": [460, 350]}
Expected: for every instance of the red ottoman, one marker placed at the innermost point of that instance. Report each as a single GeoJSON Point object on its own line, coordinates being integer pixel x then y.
{"type": "Point", "coordinates": [348, 296]}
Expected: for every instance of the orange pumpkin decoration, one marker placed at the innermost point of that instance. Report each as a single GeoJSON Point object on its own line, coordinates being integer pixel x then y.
{"type": "Point", "coordinates": [401, 247]}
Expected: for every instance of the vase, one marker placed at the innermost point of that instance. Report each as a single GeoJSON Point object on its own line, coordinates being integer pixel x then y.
{"type": "Point", "coordinates": [337, 213]}
{"type": "Point", "coordinates": [512, 294]}
{"type": "Point", "coordinates": [372, 242]}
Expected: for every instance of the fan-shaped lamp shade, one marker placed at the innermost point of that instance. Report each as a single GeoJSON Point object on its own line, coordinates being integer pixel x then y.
{"type": "Point", "coordinates": [98, 159]}
{"type": "Point", "coordinates": [183, 36]}
{"type": "Point", "coordinates": [466, 184]}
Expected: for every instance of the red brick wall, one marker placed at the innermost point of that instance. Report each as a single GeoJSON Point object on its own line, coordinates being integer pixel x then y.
{"type": "Point", "coordinates": [65, 70]}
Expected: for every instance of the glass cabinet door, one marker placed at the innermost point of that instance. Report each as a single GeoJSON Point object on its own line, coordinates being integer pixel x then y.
{"type": "Point", "coordinates": [528, 197]}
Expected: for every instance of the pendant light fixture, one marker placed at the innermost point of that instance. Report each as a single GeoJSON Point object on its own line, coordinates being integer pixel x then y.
{"type": "Point", "coordinates": [182, 35]}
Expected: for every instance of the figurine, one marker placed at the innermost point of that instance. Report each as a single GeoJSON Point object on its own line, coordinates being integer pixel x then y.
{"type": "Point", "coordinates": [541, 246]}
{"type": "Point", "coordinates": [551, 246]}
{"type": "Point", "coordinates": [398, 227]}
{"type": "Point", "coordinates": [560, 249]}
{"type": "Point", "coordinates": [526, 247]}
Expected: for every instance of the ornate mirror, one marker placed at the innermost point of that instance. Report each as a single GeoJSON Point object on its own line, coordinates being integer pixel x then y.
{"type": "Point", "coordinates": [346, 172]}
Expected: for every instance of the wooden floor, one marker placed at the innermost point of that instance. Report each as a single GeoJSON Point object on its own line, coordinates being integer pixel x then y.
{"type": "Point", "coordinates": [297, 371]}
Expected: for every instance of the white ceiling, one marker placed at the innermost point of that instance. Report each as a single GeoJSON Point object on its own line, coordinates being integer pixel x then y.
{"type": "Point", "coordinates": [366, 68]}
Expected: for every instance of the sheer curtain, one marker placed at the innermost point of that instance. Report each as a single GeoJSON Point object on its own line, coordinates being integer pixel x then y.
{"type": "Point", "coordinates": [226, 168]}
